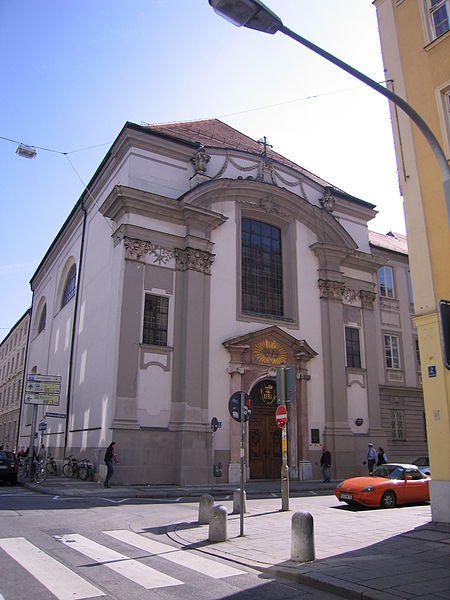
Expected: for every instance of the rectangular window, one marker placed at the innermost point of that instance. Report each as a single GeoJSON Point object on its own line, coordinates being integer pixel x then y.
{"type": "Point", "coordinates": [262, 269]}
{"type": "Point", "coordinates": [416, 344]}
{"type": "Point", "coordinates": [352, 348]}
{"type": "Point", "coordinates": [315, 436]}
{"type": "Point", "coordinates": [439, 12]}
{"type": "Point", "coordinates": [411, 295]}
{"type": "Point", "coordinates": [386, 282]}
{"type": "Point", "coordinates": [391, 352]}
{"type": "Point", "coordinates": [398, 425]}
{"type": "Point", "coordinates": [156, 313]}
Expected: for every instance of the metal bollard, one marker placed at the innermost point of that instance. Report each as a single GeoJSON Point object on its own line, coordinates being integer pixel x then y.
{"type": "Point", "coordinates": [237, 502]}
{"type": "Point", "coordinates": [205, 508]}
{"type": "Point", "coordinates": [302, 537]}
{"type": "Point", "coordinates": [218, 525]}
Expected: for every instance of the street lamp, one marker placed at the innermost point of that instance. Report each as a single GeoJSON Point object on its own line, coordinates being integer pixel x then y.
{"type": "Point", "coordinates": [253, 14]}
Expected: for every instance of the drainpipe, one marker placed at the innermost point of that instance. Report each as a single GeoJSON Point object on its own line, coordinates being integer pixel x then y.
{"type": "Point", "coordinates": [74, 326]}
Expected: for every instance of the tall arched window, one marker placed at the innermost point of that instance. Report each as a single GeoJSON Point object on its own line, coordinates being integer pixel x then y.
{"type": "Point", "coordinates": [42, 319]}
{"type": "Point", "coordinates": [262, 269]}
{"type": "Point", "coordinates": [70, 286]}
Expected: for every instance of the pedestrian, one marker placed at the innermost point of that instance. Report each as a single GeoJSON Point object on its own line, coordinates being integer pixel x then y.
{"type": "Point", "coordinates": [325, 464]}
{"type": "Point", "coordinates": [371, 457]}
{"type": "Point", "coordinates": [110, 460]}
{"type": "Point", "coordinates": [381, 457]}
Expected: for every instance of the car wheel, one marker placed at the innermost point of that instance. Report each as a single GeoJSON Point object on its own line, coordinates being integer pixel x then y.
{"type": "Point", "coordinates": [14, 481]}
{"type": "Point", "coordinates": [388, 500]}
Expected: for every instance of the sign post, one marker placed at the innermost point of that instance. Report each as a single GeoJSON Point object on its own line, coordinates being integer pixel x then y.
{"type": "Point", "coordinates": [240, 408]}
{"type": "Point", "coordinates": [282, 422]}
{"type": "Point", "coordinates": [40, 390]}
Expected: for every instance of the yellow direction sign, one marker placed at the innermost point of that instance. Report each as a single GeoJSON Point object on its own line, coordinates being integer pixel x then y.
{"type": "Point", "coordinates": [43, 387]}
{"type": "Point", "coordinates": [48, 399]}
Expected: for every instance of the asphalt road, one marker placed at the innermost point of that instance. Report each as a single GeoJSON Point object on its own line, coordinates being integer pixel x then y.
{"type": "Point", "coordinates": [76, 548]}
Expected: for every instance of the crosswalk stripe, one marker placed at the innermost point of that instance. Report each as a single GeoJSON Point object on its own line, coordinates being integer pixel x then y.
{"type": "Point", "coordinates": [141, 574]}
{"type": "Point", "coordinates": [193, 561]}
{"type": "Point", "coordinates": [58, 579]}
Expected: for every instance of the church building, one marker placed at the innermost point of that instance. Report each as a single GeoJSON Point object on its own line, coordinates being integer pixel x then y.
{"type": "Point", "coordinates": [197, 263]}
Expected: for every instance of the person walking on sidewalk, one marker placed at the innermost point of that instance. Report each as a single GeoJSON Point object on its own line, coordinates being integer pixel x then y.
{"type": "Point", "coordinates": [381, 457]}
{"type": "Point", "coordinates": [325, 464]}
{"type": "Point", "coordinates": [371, 457]}
{"type": "Point", "coordinates": [110, 460]}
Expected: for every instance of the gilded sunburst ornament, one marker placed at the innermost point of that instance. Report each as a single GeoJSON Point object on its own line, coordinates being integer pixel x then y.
{"type": "Point", "coordinates": [269, 352]}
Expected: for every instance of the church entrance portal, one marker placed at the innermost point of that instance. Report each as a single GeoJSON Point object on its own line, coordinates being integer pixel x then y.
{"type": "Point", "coordinates": [264, 434]}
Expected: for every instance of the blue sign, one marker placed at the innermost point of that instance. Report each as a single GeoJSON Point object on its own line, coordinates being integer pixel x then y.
{"type": "Point", "coordinates": [432, 371]}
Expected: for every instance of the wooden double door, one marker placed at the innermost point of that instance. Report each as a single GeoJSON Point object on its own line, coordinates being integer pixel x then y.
{"type": "Point", "coordinates": [264, 444]}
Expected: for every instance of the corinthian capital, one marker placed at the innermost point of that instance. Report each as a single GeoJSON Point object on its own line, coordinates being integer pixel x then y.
{"type": "Point", "coordinates": [333, 290]}
{"type": "Point", "coordinates": [367, 298]}
{"type": "Point", "coordinates": [194, 260]}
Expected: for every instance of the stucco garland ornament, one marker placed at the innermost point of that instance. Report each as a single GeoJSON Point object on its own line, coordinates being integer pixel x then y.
{"type": "Point", "coordinates": [138, 249]}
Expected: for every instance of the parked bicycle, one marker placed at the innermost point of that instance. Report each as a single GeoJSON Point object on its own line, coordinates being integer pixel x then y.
{"type": "Point", "coordinates": [51, 466]}
{"type": "Point", "coordinates": [70, 467]}
{"type": "Point", "coordinates": [85, 470]}
{"type": "Point", "coordinates": [39, 471]}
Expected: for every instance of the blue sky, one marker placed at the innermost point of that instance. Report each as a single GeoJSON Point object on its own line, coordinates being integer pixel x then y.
{"type": "Point", "coordinates": [74, 72]}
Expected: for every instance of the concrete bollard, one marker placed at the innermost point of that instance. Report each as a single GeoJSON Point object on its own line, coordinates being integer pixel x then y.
{"type": "Point", "coordinates": [218, 525]}
{"type": "Point", "coordinates": [237, 502]}
{"type": "Point", "coordinates": [302, 537]}
{"type": "Point", "coordinates": [205, 508]}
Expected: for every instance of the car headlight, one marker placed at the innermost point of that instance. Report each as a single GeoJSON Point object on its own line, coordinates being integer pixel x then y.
{"type": "Point", "coordinates": [369, 488]}
{"type": "Point", "coordinates": [339, 485]}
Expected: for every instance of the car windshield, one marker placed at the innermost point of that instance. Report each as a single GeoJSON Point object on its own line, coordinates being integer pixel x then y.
{"type": "Point", "coordinates": [6, 455]}
{"type": "Point", "coordinates": [422, 461]}
{"type": "Point", "coordinates": [389, 472]}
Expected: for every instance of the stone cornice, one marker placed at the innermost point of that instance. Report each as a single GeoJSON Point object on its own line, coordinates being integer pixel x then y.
{"type": "Point", "coordinates": [124, 200]}
{"type": "Point", "coordinates": [261, 196]}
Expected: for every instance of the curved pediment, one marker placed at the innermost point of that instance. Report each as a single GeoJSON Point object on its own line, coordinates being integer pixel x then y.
{"type": "Point", "coordinates": [270, 346]}
{"type": "Point", "coordinates": [272, 200]}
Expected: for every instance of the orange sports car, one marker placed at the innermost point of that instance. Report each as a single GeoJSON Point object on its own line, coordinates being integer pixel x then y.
{"type": "Point", "coordinates": [389, 485]}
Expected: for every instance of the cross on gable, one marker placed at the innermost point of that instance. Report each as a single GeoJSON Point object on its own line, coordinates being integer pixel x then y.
{"type": "Point", "coordinates": [263, 142]}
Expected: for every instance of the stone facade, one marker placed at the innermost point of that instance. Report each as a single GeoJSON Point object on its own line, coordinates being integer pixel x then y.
{"type": "Point", "coordinates": [160, 331]}
{"type": "Point", "coordinates": [12, 361]}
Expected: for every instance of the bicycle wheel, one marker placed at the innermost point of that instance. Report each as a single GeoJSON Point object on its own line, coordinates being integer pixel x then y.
{"type": "Point", "coordinates": [40, 474]}
{"type": "Point", "coordinates": [83, 472]}
{"type": "Point", "coordinates": [68, 470]}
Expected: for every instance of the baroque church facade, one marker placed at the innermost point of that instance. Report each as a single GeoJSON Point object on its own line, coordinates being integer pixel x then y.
{"type": "Point", "coordinates": [196, 263]}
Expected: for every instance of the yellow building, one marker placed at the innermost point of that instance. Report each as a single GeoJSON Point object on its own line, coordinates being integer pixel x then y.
{"type": "Point", "coordinates": [415, 41]}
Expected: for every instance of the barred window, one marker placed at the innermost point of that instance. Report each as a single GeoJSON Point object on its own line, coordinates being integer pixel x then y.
{"type": "Point", "coordinates": [262, 269]}
{"type": "Point", "coordinates": [391, 352]}
{"type": "Point", "coordinates": [156, 312]}
{"type": "Point", "coordinates": [352, 348]}
{"type": "Point", "coordinates": [70, 286]}
{"type": "Point", "coordinates": [398, 425]}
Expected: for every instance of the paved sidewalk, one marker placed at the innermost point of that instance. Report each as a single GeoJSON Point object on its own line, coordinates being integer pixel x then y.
{"type": "Point", "coordinates": [365, 554]}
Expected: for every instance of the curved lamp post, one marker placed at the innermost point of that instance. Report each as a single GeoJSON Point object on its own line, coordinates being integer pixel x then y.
{"type": "Point", "coordinates": [253, 14]}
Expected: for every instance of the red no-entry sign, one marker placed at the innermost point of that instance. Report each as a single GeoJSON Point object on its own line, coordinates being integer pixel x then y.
{"type": "Point", "coordinates": [281, 416]}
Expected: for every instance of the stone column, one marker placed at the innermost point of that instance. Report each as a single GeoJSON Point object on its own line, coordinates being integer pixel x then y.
{"type": "Point", "coordinates": [189, 418]}
{"type": "Point", "coordinates": [370, 334]}
{"type": "Point", "coordinates": [130, 323]}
